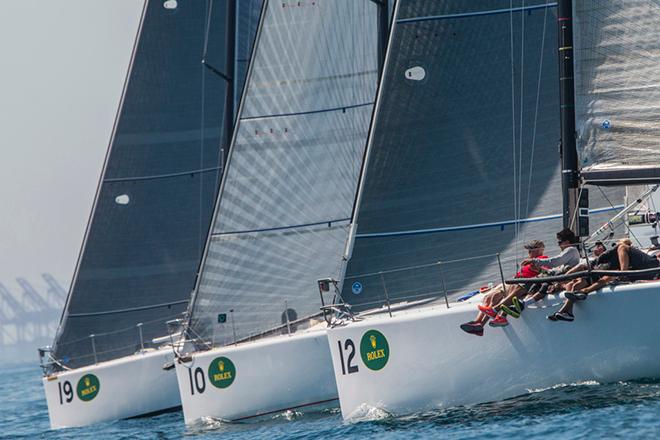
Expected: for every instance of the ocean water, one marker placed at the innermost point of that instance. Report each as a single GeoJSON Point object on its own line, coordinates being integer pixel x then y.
{"type": "Point", "coordinates": [578, 411]}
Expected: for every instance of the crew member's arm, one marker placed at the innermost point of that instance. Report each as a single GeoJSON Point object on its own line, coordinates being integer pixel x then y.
{"type": "Point", "coordinates": [624, 257]}
{"type": "Point", "coordinates": [564, 257]}
{"type": "Point", "coordinates": [577, 268]}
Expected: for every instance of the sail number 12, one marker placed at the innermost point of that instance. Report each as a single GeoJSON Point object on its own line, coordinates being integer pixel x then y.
{"type": "Point", "coordinates": [348, 347]}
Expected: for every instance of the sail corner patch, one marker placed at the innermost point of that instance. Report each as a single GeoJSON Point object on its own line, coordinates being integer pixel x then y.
{"type": "Point", "coordinates": [222, 372]}
{"type": "Point", "coordinates": [416, 73]}
{"type": "Point", "coordinates": [374, 350]}
{"type": "Point", "coordinates": [88, 387]}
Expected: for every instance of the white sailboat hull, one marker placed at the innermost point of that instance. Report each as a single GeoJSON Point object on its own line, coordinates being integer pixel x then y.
{"type": "Point", "coordinates": [128, 387]}
{"type": "Point", "coordinates": [269, 376]}
{"type": "Point", "coordinates": [433, 364]}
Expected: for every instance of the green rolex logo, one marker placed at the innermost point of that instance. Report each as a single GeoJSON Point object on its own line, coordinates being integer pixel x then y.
{"type": "Point", "coordinates": [374, 349]}
{"type": "Point", "coordinates": [222, 372]}
{"type": "Point", "coordinates": [88, 387]}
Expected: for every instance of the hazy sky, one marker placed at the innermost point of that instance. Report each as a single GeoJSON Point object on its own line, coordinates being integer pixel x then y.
{"type": "Point", "coordinates": [62, 69]}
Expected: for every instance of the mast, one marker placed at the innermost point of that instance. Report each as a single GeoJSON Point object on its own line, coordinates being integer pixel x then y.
{"type": "Point", "coordinates": [568, 152]}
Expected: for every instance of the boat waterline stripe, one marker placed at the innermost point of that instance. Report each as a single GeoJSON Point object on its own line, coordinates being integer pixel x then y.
{"type": "Point", "coordinates": [480, 225]}
{"type": "Point", "coordinates": [310, 112]}
{"type": "Point", "coordinates": [132, 309]}
{"type": "Point", "coordinates": [475, 14]}
{"type": "Point", "coordinates": [163, 176]}
{"type": "Point", "coordinates": [280, 228]}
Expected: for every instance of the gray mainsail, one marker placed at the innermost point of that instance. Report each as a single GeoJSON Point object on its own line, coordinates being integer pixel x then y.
{"type": "Point", "coordinates": [463, 160]}
{"type": "Point", "coordinates": [284, 206]}
{"type": "Point", "coordinates": [155, 200]}
{"type": "Point", "coordinates": [617, 90]}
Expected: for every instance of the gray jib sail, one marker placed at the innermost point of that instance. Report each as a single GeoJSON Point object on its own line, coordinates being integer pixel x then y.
{"type": "Point", "coordinates": [617, 87]}
{"type": "Point", "coordinates": [155, 201]}
{"type": "Point", "coordinates": [465, 139]}
{"type": "Point", "coordinates": [286, 199]}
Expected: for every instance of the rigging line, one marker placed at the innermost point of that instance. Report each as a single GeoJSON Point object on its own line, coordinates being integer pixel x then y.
{"type": "Point", "coordinates": [627, 227]}
{"type": "Point", "coordinates": [630, 232]}
{"type": "Point", "coordinates": [421, 266]}
{"type": "Point", "coordinates": [474, 14]}
{"type": "Point", "coordinates": [536, 112]}
{"type": "Point", "coordinates": [309, 112]}
{"type": "Point", "coordinates": [207, 30]}
{"type": "Point", "coordinates": [479, 225]}
{"type": "Point", "coordinates": [522, 94]}
{"type": "Point", "coordinates": [605, 196]}
{"type": "Point", "coordinates": [652, 201]}
{"type": "Point", "coordinates": [124, 329]}
{"type": "Point", "coordinates": [161, 176]}
{"type": "Point", "coordinates": [209, 10]}
{"type": "Point", "coordinates": [513, 124]}
{"type": "Point", "coordinates": [575, 213]}
{"type": "Point", "coordinates": [216, 71]}
{"type": "Point", "coordinates": [129, 309]}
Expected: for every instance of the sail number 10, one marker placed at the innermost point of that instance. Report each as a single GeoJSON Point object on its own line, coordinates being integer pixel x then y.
{"type": "Point", "coordinates": [348, 347]}
{"type": "Point", "coordinates": [197, 380]}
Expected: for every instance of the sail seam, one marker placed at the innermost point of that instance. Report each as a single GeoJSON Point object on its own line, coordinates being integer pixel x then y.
{"type": "Point", "coordinates": [475, 14]}
{"type": "Point", "coordinates": [280, 228]}
{"type": "Point", "coordinates": [480, 225]}
{"type": "Point", "coordinates": [310, 112]}
{"type": "Point", "coordinates": [163, 176]}
{"type": "Point", "coordinates": [131, 309]}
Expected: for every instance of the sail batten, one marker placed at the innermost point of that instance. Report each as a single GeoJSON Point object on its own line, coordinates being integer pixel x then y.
{"type": "Point", "coordinates": [131, 309]}
{"type": "Point", "coordinates": [475, 13]}
{"type": "Point", "coordinates": [164, 176]}
{"type": "Point", "coordinates": [329, 223]}
{"type": "Point", "coordinates": [309, 112]}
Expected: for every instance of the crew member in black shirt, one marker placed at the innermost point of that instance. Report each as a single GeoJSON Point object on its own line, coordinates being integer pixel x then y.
{"type": "Point", "coordinates": [622, 257]}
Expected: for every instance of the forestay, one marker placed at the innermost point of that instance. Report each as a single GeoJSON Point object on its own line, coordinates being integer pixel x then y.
{"type": "Point", "coordinates": [465, 145]}
{"type": "Point", "coordinates": [617, 88]}
{"type": "Point", "coordinates": [155, 200]}
{"type": "Point", "coordinates": [283, 211]}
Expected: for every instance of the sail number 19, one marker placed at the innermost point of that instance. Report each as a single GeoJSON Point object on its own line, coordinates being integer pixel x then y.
{"type": "Point", "coordinates": [349, 348]}
{"type": "Point", "coordinates": [66, 392]}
